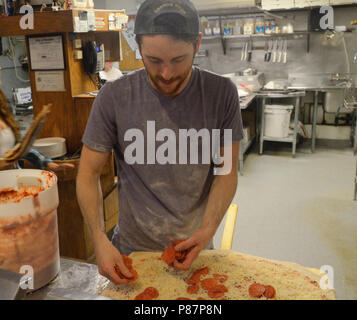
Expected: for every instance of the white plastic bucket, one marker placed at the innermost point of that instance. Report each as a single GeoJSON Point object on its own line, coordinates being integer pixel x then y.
{"type": "Point", "coordinates": [28, 226]}
{"type": "Point", "coordinates": [277, 120]}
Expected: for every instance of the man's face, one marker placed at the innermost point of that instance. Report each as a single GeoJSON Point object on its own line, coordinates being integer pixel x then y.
{"type": "Point", "coordinates": [168, 62]}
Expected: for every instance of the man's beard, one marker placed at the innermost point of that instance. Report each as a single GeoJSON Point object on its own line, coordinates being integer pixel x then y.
{"type": "Point", "coordinates": [157, 83]}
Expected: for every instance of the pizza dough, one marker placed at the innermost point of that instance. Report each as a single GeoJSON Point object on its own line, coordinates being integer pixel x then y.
{"type": "Point", "coordinates": [236, 270]}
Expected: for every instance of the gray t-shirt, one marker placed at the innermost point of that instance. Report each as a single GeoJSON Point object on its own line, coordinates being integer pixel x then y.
{"type": "Point", "coordinates": [160, 201]}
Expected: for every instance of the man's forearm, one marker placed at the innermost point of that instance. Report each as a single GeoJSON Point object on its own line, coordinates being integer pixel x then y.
{"type": "Point", "coordinates": [220, 197]}
{"type": "Point", "coordinates": [90, 199]}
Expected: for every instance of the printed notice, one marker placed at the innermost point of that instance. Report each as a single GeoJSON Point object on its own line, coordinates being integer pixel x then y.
{"type": "Point", "coordinates": [49, 81]}
{"type": "Point", "coordinates": [46, 53]}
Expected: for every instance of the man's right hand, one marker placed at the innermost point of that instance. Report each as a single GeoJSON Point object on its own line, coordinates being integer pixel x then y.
{"type": "Point", "coordinates": [107, 257]}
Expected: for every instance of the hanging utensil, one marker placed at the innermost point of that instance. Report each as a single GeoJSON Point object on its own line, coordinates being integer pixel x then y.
{"type": "Point", "coordinates": [266, 51]}
{"type": "Point", "coordinates": [275, 48]}
{"type": "Point", "coordinates": [242, 53]}
{"type": "Point", "coordinates": [269, 50]}
{"type": "Point", "coordinates": [245, 51]}
{"type": "Point", "coordinates": [285, 50]}
{"type": "Point", "coordinates": [280, 50]}
{"type": "Point", "coordinates": [250, 45]}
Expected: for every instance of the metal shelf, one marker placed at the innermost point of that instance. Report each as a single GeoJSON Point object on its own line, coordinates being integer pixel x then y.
{"type": "Point", "coordinates": [293, 36]}
{"type": "Point", "coordinates": [289, 138]}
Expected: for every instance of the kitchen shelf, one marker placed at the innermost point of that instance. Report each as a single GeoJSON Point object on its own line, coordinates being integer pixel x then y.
{"type": "Point", "coordinates": [55, 22]}
{"type": "Point", "coordinates": [289, 138]}
{"type": "Point", "coordinates": [292, 36]}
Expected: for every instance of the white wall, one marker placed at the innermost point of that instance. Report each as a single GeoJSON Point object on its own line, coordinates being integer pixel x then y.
{"type": "Point", "coordinates": [129, 5]}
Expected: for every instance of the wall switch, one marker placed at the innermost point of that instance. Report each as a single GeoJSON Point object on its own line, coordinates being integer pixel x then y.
{"type": "Point", "coordinates": [78, 54]}
{"type": "Point", "coordinates": [77, 43]}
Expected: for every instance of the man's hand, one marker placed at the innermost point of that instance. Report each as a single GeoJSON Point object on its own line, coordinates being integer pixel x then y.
{"type": "Point", "coordinates": [197, 242]}
{"type": "Point", "coordinates": [107, 257]}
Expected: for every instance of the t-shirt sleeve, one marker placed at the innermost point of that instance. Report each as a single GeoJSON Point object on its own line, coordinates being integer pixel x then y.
{"type": "Point", "coordinates": [100, 133]}
{"type": "Point", "coordinates": [232, 118]}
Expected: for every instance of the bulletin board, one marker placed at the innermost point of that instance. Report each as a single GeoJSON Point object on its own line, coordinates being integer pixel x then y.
{"type": "Point", "coordinates": [128, 61]}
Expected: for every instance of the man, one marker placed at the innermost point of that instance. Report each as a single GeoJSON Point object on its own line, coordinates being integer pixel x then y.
{"type": "Point", "coordinates": [158, 200]}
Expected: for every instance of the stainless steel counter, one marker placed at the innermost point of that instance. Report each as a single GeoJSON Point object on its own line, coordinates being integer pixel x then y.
{"type": "Point", "coordinates": [76, 281]}
{"type": "Point", "coordinates": [244, 102]}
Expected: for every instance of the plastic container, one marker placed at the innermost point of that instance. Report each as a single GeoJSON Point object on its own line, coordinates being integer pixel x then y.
{"type": "Point", "coordinates": [248, 27]}
{"type": "Point", "coordinates": [259, 25]}
{"type": "Point", "coordinates": [28, 225]}
{"type": "Point", "coordinates": [227, 28]}
{"type": "Point", "coordinates": [277, 120]}
{"type": "Point", "coordinates": [273, 26]}
{"type": "Point", "coordinates": [267, 29]}
{"type": "Point", "coordinates": [206, 26]}
{"type": "Point", "coordinates": [237, 28]}
{"type": "Point", "coordinates": [53, 147]}
{"type": "Point", "coordinates": [290, 28]}
{"type": "Point", "coordinates": [216, 28]}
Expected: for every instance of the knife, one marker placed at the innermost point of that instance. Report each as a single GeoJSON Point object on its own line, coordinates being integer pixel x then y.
{"type": "Point", "coordinates": [245, 51]}
{"type": "Point", "coordinates": [269, 50]}
{"type": "Point", "coordinates": [275, 48]}
{"type": "Point", "coordinates": [285, 51]}
{"type": "Point", "coordinates": [242, 54]}
{"type": "Point", "coordinates": [280, 51]}
{"type": "Point", "coordinates": [250, 50]}
{"type": "Point", "coordinates": [266, 51]}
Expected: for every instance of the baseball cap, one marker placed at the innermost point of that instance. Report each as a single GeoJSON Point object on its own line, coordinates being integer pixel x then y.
{"type": "Point", "coordinates": [146, 21]}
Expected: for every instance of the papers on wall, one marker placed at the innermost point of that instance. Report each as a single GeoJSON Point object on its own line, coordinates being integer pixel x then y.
{"type": "Point", "coordinates": [46, 53]}
{"type": "Point", "coordinates": [130, 39]}
{"type": "Point", "coordinates": [49, 81]}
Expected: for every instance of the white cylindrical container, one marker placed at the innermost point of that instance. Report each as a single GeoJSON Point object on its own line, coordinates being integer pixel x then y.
{"type": "Point", "coordinates": [28, 226]}
{"type": "Point", "coordinates": [277, 120]}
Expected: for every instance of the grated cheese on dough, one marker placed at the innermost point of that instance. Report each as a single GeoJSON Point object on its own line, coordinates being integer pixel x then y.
{"type": "Point", "coordinates": [291, 281]}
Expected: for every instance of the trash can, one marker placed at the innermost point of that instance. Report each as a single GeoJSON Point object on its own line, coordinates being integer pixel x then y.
{"type": "Point", "coordinates": [277, 120]}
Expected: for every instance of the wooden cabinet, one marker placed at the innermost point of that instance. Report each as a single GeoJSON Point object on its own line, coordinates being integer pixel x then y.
{"type": "Point", "coordinates": [70, 111]}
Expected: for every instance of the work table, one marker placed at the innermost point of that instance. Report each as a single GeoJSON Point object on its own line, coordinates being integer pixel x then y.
{"type": "Point", "coordinates": [75, 281]}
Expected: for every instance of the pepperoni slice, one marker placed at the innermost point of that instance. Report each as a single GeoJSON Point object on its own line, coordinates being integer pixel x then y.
{"type": "Point", "coordinates": [196, 276]}
{"type": "Point", "coordinates": [256, 290]}
{"type": "Point", "coordinates": [168, 255]}
{"type": "Point", "coordinates": [151, 292]}
{"type": "Point", "coordinates": [127, 261]}
{"type": "Point", "coordinates": [202, 271]}
{"type": "Point", "coordinates": [269, 292]}
{"type": "Point", "coordinates": [142, 296]}
{"type": "Point", "coordinates": [129, 264]}
{"type": "Point", "coordinates": [200, 298]}
{"type": "Point", "coordinates": [215, 294]}
{"type": "Point", "coordinates": [220, 277]}
{"type": "Point", "coordinates": [148, 294]}
{"type": "Point", "coordinates": [193, 288]}
{"type": "Point", "coordinates": [208, 283]}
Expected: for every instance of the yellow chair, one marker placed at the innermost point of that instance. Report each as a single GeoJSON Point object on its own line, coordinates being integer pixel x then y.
{"type": "Point", "coordinates": [228, 232]}
{"type": "Point", "coordinates": [227, 237]}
